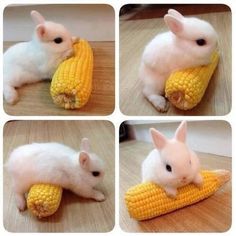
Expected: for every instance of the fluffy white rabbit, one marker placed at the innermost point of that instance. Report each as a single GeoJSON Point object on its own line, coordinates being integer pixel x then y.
{"type": "Point", "coordinates": [171, 164]}
{"type": "Point", "coordinates": [189, 43]}
{"type": "Point", "coordinates": [57, 164]}
{"type": "Point", "coordinates": [29, 62]}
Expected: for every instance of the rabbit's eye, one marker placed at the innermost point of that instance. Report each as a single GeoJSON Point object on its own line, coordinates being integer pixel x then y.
{"type": "Point", "coordinates": [168, 168]}
{"type": "Point", "coordinates": [95, 173]}
{"type": "Point", "coordinates": [201, 42]}
{"type": "Point", "coordinates": [58, 40]}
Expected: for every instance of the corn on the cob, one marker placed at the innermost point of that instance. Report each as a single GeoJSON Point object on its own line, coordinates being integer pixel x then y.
{"type": "Point", "coordinates": [148, 200]}
{"type": "Point", "coordinates": [185, 88]}
{"type": "Point", "coordinates": [72, 82]}
{"type": "Point", "coordinates": [44, 199]}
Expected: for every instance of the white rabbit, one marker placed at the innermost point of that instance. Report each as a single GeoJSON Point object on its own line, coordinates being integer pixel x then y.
{"type": "Point", "coordinates": [189, 43]}
{"type": "Point", "coordinates": [29, 62]}
{"type": "Point", "coordinates": [171, 164]}
{"type": "Point", "coordinates": [57, 164]}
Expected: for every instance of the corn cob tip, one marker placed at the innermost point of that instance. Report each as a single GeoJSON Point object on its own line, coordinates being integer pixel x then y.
{"type": "Point", "coordinates": [223, 176]}
{"type": "Point", "coordinates": [65, 100]}
{"type": "Point", "coordinates": [178, 98]}
{"type": "Point", "coordinates": [44, 199]}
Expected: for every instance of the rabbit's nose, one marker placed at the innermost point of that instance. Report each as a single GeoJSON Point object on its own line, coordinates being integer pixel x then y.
{"type": "Point", "coordinates": [184, 178]}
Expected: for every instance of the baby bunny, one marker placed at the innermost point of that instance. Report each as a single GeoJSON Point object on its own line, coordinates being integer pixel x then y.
{"type": "Point", "coordinates": [171, 164]}
{"type": "Point", "coordinates": [56, 164]}
{"type": "Point", "coordinates": [189, 43]}
{"type": "Point", "coordinates": [29, 62]}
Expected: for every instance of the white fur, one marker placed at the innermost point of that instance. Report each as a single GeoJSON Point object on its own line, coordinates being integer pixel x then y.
{"type": "Point", "coordinates": [175, 153]}
{"type": "Point", "coordinates": [174, 50]}
{"type": "Point", "coordinates": [56, 164]}
{"type": "Point", "coordinates": [29, 62]}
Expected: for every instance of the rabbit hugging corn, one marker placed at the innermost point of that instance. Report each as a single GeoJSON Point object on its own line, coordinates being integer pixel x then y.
{"type": "Point", "coordinates": [38, 59]}
{"type": "Point", "coordinates": [189, 43]}
{"type": "Point", "coordinates": [56, 164]}
{"type": "Point", "coordinates": [171, 178]}
{"type": "Point", "coordinates": [171, 164]}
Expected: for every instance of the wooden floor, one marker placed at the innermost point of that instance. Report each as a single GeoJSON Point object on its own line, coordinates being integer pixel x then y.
{"type": "Point", "coordinates": [210, 215]}
{"type": "Point", "coordinates": [135, 34]}
{"type": "Point", "coordinates": [149, 11]}
{"type": "Point", "coordinates": [75, 214]}
{"type": "Point", "coordinates": [35, 99]}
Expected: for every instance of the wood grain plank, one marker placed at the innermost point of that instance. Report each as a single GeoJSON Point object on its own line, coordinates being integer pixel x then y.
{"type": "Point", "coordinates": [205, 216]}
{"type": "Point", "coordinates": [75, 214]}
{"type": "Point", "coordinates": [35, 98]}
{"type": "Point", "coordinates": [159, 10]}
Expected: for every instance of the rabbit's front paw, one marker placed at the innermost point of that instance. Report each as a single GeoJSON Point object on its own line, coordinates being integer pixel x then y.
{"type": "Point", "coordinates": [99, 196]}
{"type": "Point", "coordinates": [198, 181]}
{"type": "Point", "coordinates": [68, 54]}
{"type": "Point", "coordinates": [171, 192]}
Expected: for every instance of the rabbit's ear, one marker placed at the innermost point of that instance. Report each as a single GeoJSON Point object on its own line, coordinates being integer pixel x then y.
{"type": "Point", "coordinates": [37, 17]}
{"type": "Point", "coordinates": [181, 132]}
{"type": "Point", "coordinates": [84, 160]}
{"type": "Point", "coordinates": [41, 31]}
{"type": "Point", "coordinates": [174, 24]}
{"type": "Point", "coordinates": [85, 146]}
{"type": "Point", "coordinates": [175, 13]}
{"type": "Point", "coordinates": [158, 139]}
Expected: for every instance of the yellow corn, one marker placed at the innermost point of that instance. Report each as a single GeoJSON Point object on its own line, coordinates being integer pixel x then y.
{"type": "Point", "coordinates": [44, 199]}
{"type": "Point", "coordinates": [185, 88]}
{"type": "Point", "coordinates": [148, 200]}
{"type": "Point", "coordinates": [72, 82]}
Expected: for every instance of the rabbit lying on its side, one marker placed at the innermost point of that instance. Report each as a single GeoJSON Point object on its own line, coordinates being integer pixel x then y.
{"type": "Point", "coordinates": [29, 62]}
{"type": "Point", "coordinates": [57, 164]}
